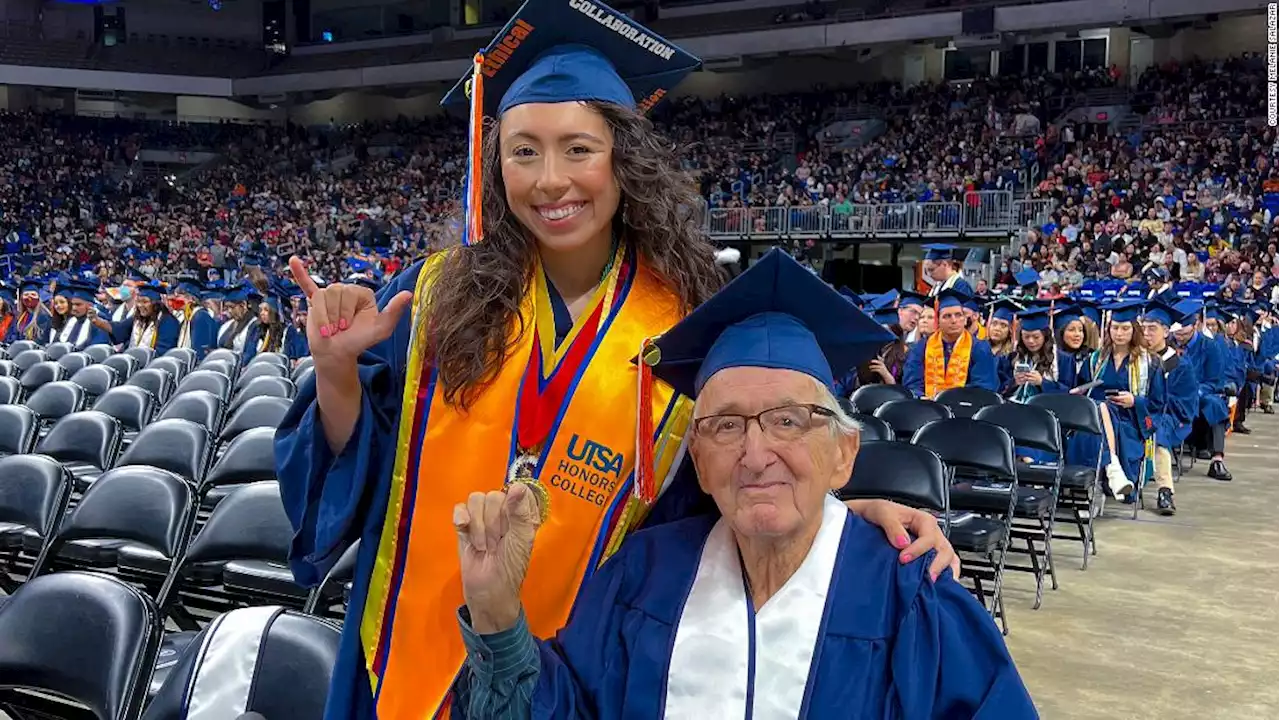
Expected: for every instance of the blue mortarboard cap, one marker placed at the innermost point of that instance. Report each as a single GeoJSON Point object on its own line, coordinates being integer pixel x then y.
{"type": "Point", "coordinates": [972, 304]}
{"type": "Point", "coordinates": [1035, 319]}
{"type": "Point", "coordinates": [1189, 308]}
{"type": "Point", "coordinates": [190, 286]}
{"type": "Point", "coordinates": [1161, 313]}
{"type": "Point", "coordinates": [273, 301]}
{"type": "Point", "coordinates": [1005, 310]}
{"type": "Point", "coordinates": [31, 285]}
{"type": "Point", "coordinates": [1066, 314]}
{"type": "Point", "coordinates": [574, 50]}
{"type": "Point", "coordinates": [1125, 310]}
{"type": "Point", "coordinates": [1088, 308]}
{"type": "Point", "coordinates": [907, 298]}
{"type": "Point", "coordinates": [152, 291]}
{"type": "Point", "coordinates": [888, 298]}
{"type": "Point", "coordinates": [1026, 277]}
{"type": "Point", "coordinates": [851, 296]}
{"type": "Point", "coordinates": [885, 315]}
{"type": "Point", "coordinates": [1218, 312]}
{"type": "Point", "coordinates": [79, 291]}
{"type": "Point", "coordinates": [775, 315]}
{"type": "Point", "coordinates": [237, 293]}
{"type": "Point", "coordinates": [952, 297]}
{"type": "Point", "coordinates": [939, 251]}
{"type": "Point", "coordinates": [136, 276]}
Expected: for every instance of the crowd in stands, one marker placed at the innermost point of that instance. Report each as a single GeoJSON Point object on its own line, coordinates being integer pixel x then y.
{"type": "Point", "coordinates": [1179, 195]}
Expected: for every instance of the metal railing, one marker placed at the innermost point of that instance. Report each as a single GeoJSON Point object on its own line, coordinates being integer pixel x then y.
{"type": "Point", "coordinates": [985, 214]}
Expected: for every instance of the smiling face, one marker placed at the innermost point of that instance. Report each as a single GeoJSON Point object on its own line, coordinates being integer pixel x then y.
{"type": "Point", "coordinates": [557, 168]}
{"type": "Point", "coordinates": [765, 486]}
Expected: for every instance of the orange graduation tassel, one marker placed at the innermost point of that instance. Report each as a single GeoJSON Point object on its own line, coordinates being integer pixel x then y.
{"type": "Point", "coordinates": [475, 149]}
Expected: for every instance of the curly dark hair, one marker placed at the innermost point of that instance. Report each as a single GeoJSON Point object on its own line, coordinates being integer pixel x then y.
{"type": "Point", "coordinates": [474, 303]}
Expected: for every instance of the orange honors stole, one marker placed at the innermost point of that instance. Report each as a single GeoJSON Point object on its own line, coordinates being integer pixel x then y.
{"type": "Point", "coordinates": [941, 375]}
{"type": "Point", "coordinates": [412, 646]}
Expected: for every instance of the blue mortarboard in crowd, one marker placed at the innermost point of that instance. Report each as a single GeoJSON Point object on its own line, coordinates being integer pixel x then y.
{"type": "Point", "coordinates": [776, 315]}
{"type": "Point", "coordinates": [1188, 309]}
{"type": "Point", "coordinates": [1125, 310]}
{"type": "Point", "coordinates": [237, 293]}
{"type": "Point", "coordinates": [152, 291]}
{"type": "Point", "coordinates": [1065, 314]}
{"type": "Point", "coordinates": [952, 297]}
{"type": "Point", "coordinates": [1026, 277]}
{"type": "Point", "coordinates": [190, 286]}
{"type": "Point", "coordinates": [1089, 308]}
{"type": "Point", "coordinates": [938, 251]}
{"type": "Point", "coordinates": [1005, 310]}
{"type": "Point", "coordinates": [907, 298]}
{"type": "Point", "coordinates": [1034, 319]}
{"type": "Point", "coordinates": [888, 298]}
{"type": "Point", "coordinates": [851, 296]}
{"type": "Point", "coordinates": [885, 315]}
{"type": "Point", "coordinates": [555, 51]}
{"type": "Point", "coordinates": [136, 275]}
{"type": "Point", "coordinates": [1160, 312]}
{"type": "Point", "coordinates": [1219, 312]}
{"type": "Point", "coordinates": [971, 303]}
{"type": "Point", "coordinates": [31, 285]}
{"type": "Point", "coordinates": [79, 290]}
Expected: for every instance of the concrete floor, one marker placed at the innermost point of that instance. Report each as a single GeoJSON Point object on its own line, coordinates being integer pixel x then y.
{"type": "Point", "coordinates": [1175, 617]}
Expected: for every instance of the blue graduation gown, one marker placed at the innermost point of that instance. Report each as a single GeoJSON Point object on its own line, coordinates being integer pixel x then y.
{"type": "Point", "coordinates": [1133, 426]}
{"type": "Point", "coordinates": [891, 644]}
{"type": "Point", "coordinates": [166, 333]}
{"type": "Point", "coordinates": [1181, 403]}
{"type": "Point", "coordinates": [1206, 359]}
{"type": "Point", "coordinates": [1268, 349]}
{"type": "Point", "coordinates": [982, 366]}
{"type": "Point", "coordinates": [41, 321]}
{"type": "Point", "coordinates": [204, 333]}
{"type": "Point", "coordinates": [295, 343]}
{"type": "Point", "coordinates": [251, 341]}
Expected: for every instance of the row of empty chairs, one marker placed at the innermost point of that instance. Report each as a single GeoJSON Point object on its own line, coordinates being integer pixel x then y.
{"type": "Point", "coordinates": [958, 456]}
{"type": "Point", "coordinates": [159, 509]}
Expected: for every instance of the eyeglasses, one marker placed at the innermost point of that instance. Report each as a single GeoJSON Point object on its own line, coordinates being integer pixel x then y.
{"type": "Point", "coordinates": [781, 424]}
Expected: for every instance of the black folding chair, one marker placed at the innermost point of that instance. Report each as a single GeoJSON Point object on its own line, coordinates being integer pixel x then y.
{"type": "Point", "coordinates": [99, 352]}
{"type": "Point", "coordinates": [257, 370]}
{"type": "Point", "coordinates": [908, 416]}
{"type": "Point", "coordinates": [871, 427]}
{"type": "Point", "coordinates": [96, 379]}
{"type": "Point", "coordinates": [967, 400]}
{"type": "Point", "coordinates": [33, 498]}
{"type": "Point", "coordinates": [220, 355]}
{"type": "Point", "coordinates": [198, 406]}
{"type": "Point", "coordinates": [908, 474]}
{"type": "Point", "coordinates": [53, 401]}
{"type": "Point", "coordinates": [74, 361]}
{"type": "Point", "coordinates": [986, 484]}
{"type": "Point", "coordinates": [143, 355]}
{"type": "Point", "coordinates": [179, 446]}
{"type": "Point", "coordinates": [249, 458]}
{"type": "Point", "coordinates": [1078, 416]}
{"type": "Point", "coordinates": [263, 386]}
{"type": "Point", "coordinates": [131, 405]}
{"type": "Point", "coordinates": [293, 660]}
{"type": "Point", "coordinates": [1037, 429]}
{"type": "Point", "coordinates": [27, 359]}
{"type": "Point", "coordinates": [335, 587]}
{"type": "Point", "coordinates": [41, 374]}
{"type": "Point", "coordinates": [207, 380]}
{"type": "Point", "coordinates": [110, 628]}
{"type": "Point", "coordinates": [172, 365]}
{"type": "Point", "coordinates": [17, 347]}
{"type": "Point", "coordinates": [9, 369]}
{"type": "Point", "coordinates": [186, 355]}
{"type": "Point", "coordinates": [277, 359]}
{"type": "Point", "coordinates": [124, 365]}
{"type": "Point", "coordinates": [157, 381]}
{"type": "Point", "coordinates": [868, 398]}
{"type": "Point", "coordinates": [19, 429]}
{"type": "Point", "coordinates": [256, 412]}
{"type": "Point", "coordinates": [86, 442]}
{"type": "Point", "coordinates": [58, 349]}
{"type": "Point", "coordinates": [10, 390]}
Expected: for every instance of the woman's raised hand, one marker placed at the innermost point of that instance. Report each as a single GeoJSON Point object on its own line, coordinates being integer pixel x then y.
{"type": "Point", "coordinates": [343, 320]}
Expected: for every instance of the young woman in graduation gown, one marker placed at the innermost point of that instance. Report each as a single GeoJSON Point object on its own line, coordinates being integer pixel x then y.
{"type": "Point", "coordinates": [33, 317]}
{"type": "Point", "coordinates": [151, 325]}
{"type": "Point", "coordinates": [506, 360]}
{"type": "Point", "coordinates": [1036, 365]}
{"type": "Point", "coordinates": [267, 335]}
{"type": "Point", "coordinates": [1132, 386]}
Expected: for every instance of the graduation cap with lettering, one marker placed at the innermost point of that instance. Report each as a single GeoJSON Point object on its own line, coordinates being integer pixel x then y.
{"type": "Point", "coordinates": [1004, 310]}
{"type": "Point", "coordinates": [775, 315]}
{"type": "Point", "coordinates": [555, 51]}
{"type": "Point", "coordinates": [939, 251]}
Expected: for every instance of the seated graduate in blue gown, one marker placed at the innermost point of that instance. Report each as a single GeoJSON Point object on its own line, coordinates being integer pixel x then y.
{"type": "Point", "coordinates": [79, 329]}
{"type": "Point", "coordinates": [942, 265]}
{"type": "Point", "coordinates": [1132, 386]}
{"type": "Point", "coordinates": [780, 605]}
{"type": "Point", "coordinates": [151, 325]}
{"type": "Point", "coordinates": [199, 329]}
{"type": "Point", "coordinates": [1036, 364]}
{"type": "Point", "coordinates": [929, 368]}
{"type": "Point", "coordinates": [1174, 416]}
{"type": "Point", "coordinates": [1209, 429]}
{"type": "Point", "coordinates": [295, 338]}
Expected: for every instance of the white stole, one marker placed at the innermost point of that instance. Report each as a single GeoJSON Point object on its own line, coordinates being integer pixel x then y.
{"type": "Point", "coordinates": [121, 312]}
{"type": "Point", "coordinates": [79, 337]}
{"type": "Point", "coordinates": [723, 655]}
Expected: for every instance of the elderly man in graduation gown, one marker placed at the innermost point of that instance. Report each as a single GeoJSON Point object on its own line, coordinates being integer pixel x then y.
{"type": "Point", "coordinates": [952, 356]}
{"type": "Point", "coordinates": [781, 604]}
{"type": "Point", "coordinates": [1177, 410]}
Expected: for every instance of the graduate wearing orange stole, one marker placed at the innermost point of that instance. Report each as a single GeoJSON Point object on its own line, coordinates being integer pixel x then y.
{"type": "Point", "coordinates": [588, 254]}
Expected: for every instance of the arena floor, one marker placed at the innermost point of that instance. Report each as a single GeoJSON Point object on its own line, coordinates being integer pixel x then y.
{"type": "Point", "coordinates": [1175, 617]}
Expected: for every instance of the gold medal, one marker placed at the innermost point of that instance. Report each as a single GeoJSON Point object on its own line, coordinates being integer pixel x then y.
{"type": "Point", "coordinates": [521, 471]}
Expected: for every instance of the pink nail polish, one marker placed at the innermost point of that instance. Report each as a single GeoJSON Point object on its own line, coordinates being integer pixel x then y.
{"type": "Point", "coordinates": [342, 324]}
{"type": "Point", "coordinates": [906, 557]}
{"type": "Point", "coordinates": [901, 541]}
{"type": "Point", "coordinates": [324, 331]}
